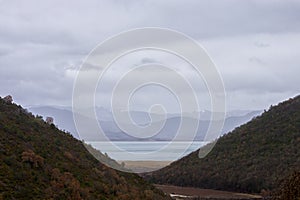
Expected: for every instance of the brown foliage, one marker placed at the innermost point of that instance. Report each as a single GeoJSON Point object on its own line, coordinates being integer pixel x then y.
{"type": "Point", "coordinates": [64, 185]}
{"type": "Point", "coordinates": [290, 189]}
{"type": "Point", "coordinates": [32, 158]}
{"type": "Point", "coordinates": [70, 156]}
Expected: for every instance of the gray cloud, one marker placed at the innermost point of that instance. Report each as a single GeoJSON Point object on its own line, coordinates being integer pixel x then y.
{"type": "Point", "coordinates": [261, 44]}
{"type": "Point", "coordinates": [254, 44]}
{"type": "Point", "coordinates": [256, 60]}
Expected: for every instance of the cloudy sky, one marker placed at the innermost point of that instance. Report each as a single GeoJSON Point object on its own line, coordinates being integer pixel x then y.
{"type": "Point", "coordinates": [255, 44]}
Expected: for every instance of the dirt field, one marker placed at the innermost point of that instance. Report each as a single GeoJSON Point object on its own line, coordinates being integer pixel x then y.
{"type": "Point", "coordinates": [189, 192]}
{"type": "Point", "coordinates": [143, 166]}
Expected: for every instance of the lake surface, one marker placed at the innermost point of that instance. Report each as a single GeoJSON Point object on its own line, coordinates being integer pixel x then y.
{"type": "Point", "coordinates": [152, 150]}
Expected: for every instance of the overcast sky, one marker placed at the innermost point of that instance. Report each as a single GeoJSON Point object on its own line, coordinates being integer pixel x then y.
{"type": "Point", "coordinates": [254, 44]}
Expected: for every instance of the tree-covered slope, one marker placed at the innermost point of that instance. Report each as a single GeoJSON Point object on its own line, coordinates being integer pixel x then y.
{"type": "Point", "coordinates": [289, 188]}
{"type": "Point", "coordinates": [253, 157]}
{"type": "Point", "coordinates": [38, 161]}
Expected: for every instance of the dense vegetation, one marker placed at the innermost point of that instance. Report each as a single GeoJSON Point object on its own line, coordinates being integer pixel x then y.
{"type": "Point", "coordinates": [38, 161]}
{"type": "Point", "coordinates": [254, 157]}
{"type": "Point", "coordinates": [289, 189]}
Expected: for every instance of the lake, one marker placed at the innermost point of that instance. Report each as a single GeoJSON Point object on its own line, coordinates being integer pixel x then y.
{"type": "Point", "coordinates": [147, 151]}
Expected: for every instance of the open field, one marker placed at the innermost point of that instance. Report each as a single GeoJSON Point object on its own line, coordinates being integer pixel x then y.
{"type": "Point", "coordinates": [142, 166]}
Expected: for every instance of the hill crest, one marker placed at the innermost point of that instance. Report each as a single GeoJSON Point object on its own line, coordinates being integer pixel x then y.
{"type": "Point", "coordinates": [38, 161]}
{"type": "Point", "coordinates": [251, 158]}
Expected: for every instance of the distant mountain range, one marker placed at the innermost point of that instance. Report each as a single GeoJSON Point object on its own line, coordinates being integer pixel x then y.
{"type": "Point", "coordinates": [63, 118]}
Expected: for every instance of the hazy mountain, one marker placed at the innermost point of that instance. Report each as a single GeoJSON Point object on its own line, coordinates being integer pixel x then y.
{"type": "Point", "coordinates": [63, 118]}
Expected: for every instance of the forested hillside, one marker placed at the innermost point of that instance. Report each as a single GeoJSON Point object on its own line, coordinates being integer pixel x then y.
{"type": "Point", "coordinates": [254, 157]}
{"type": "Point", "coordinates": [38, 161]}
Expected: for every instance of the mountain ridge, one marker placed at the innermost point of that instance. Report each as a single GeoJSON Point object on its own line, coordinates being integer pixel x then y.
{"type": "Point", "coordinates": [64, 120]}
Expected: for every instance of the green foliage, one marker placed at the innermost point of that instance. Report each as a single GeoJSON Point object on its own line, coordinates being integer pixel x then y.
{"type": "Point", "coordinates": [252, 158]}
{"type": "Point", "coordinates": [38, 161]}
